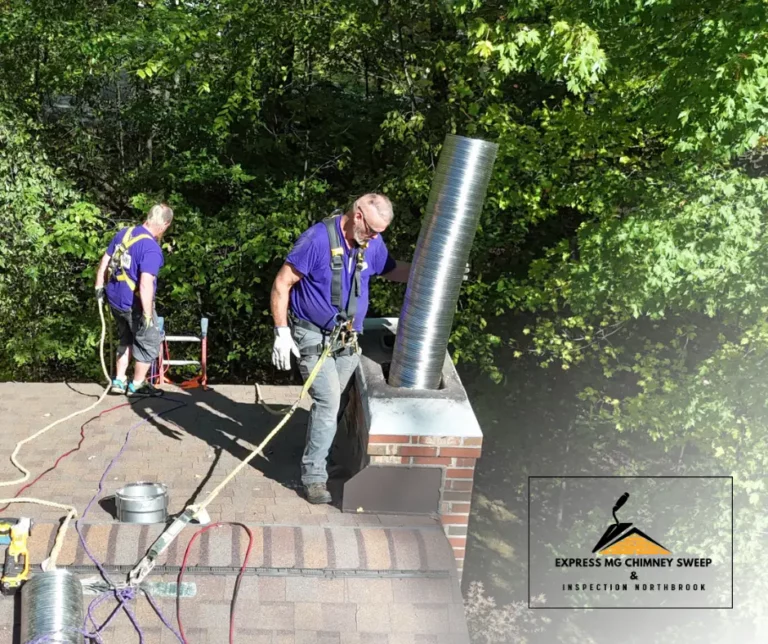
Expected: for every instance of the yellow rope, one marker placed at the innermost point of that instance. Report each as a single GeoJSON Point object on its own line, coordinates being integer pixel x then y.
{"type": "Point", "coordinates": [50, 563]}
{"type": "Point", "coordinates": [29, 439]}
{"type": "Point", "coordinates": [197, 508]}
{"type": "Point", "coordinates": [196, 511]}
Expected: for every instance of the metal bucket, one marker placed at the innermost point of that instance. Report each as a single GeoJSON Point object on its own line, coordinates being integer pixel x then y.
{"type": "Point", "coordinates": [142, 502]}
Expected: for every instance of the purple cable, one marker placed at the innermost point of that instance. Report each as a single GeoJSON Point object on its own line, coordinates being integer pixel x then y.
{"type": "Point", "coordinates": [126, 594]}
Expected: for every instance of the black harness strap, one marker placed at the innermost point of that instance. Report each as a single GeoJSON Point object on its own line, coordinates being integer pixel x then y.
{"type": "Point", "coordinates": [337, 261]}
{"type": "Point", "coordinates": [337, 270]}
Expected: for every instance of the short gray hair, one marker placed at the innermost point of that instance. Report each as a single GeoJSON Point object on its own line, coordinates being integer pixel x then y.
{"type": "Point", "coordinates": [160, 214]}
{"type": "Point", "coordinates": [380, 203]}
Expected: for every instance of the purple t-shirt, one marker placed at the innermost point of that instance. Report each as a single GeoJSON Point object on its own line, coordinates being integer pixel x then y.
{"type": "Point", "coordinates": [310, 298]}
{"type": "Point", "coordinates": [145, 256]}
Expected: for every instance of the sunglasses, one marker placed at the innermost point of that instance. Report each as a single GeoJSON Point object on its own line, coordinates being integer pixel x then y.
{"type": "Point", "coordinates": [368, 230]}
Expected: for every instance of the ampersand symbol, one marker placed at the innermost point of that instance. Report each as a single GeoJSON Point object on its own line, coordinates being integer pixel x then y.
{"type": "Point", "coordinates": [633, 575]}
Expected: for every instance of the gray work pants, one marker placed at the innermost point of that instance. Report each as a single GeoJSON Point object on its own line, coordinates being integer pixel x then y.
{"type": "Point", "coordinates": [326, 390]}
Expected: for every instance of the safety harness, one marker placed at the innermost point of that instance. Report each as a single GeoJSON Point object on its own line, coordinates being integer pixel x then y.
{"type": "Point", "coordinates": [347, 344]}
{"type": "Point", "coordinates": [121, 260]}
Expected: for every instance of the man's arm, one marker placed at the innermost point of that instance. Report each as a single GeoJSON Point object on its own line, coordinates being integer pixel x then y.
{"type": "Point", "coordinates": [101, 272]}
{"type": "Point", "coordinates": [286, 278]}
{"type": "Point", "coordinates": [399, 273]}
{"type": "Point", "coordinates": [146, 293]}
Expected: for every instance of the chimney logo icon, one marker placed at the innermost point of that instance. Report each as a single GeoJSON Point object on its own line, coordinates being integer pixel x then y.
{"type": "Point", "coordinates": [623, 539]}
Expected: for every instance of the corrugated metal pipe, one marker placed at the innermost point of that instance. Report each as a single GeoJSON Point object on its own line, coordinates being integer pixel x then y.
{"type": "Point", "coordinates": [442, 251]}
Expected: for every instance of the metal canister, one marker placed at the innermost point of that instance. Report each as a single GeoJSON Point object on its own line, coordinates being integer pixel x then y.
{"type": "Point", "coordinates": [142, 502]}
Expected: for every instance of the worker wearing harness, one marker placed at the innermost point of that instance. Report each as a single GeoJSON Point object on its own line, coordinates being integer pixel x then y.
{"type": "Point", "coordinates": [323, 283]}
{"type": "Point", "coordinates": [129, 268]}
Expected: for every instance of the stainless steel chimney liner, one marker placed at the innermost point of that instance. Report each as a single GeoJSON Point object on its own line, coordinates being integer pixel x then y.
{"type": "Point", "coordinates": [442, 251]}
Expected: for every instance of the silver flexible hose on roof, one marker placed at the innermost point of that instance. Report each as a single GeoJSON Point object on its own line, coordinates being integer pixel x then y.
{"type": "Point", "coordinates": [442, 251]}
{"type": "Point", "coordinates": [52, 608]}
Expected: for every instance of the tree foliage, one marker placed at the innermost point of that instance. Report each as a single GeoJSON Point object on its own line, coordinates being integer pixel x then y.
{"type": "Point", "coordinates": [623, 236]}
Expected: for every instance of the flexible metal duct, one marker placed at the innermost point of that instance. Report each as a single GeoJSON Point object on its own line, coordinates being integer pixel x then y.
{"type": "Point", "coordinates": [52, 608]}
{"type": "Point", "coordinates": [442, 251]}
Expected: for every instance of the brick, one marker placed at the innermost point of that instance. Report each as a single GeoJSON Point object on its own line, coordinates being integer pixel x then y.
{"type": "Point", "coordinates": [464, 497]}
{"type": "Point", "coordinates": [388, 438]}
{"type": "Point", "coordinates": [383, 450]}
{"type": "Point", "coordinates": [462, 486]}
{"type": "Point", "coordinates": [459, 508]}
{"type": "Point", "coordinates": [473, 441]}
{"type": "Point", "coordinates": [460, 452]}
{"type": "Point", "coordinates": [440, 440]}
{"type": "Point", "coordinates": [432, 460]}
{"type": "Point", "coordinates": [459, 553]}
{"type": "Point", "coordinates": [458, 519]}
{"type": "Point", "coordinates": [465, 462]}
{"type": "Point", "coordinates": [390, 460]}
{"type": "Point", "coordinates": [458, 542]}
{"type": "Point", "coordinates": [418, 451]}
{"type": "Point", "coordinates": [460, 474]}
{"type": "Point", "coordinates": [456, 530]}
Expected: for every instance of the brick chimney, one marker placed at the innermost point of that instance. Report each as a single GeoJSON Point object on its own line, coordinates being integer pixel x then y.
{"type": "Point", "coordinates": [408, 451]}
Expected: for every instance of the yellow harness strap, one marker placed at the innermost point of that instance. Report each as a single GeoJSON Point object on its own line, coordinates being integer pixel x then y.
{"type": "Point", "coordinates": [121, 249]}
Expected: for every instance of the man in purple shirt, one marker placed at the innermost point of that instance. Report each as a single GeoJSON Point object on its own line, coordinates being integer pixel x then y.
{"type": "Point", "coordinates": [304, 312]}
{"type": "Point", "coordinates": [129, 268]}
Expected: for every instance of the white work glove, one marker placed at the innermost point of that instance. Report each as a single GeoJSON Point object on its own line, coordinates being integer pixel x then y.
{"type": "Point", "coordinates": [465, 277]}
{"type": "Point", "coordinates": [283, 348]}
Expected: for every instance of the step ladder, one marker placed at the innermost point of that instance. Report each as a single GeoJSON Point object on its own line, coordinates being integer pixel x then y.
{"type": "Point", "coordinates": [201, 380]}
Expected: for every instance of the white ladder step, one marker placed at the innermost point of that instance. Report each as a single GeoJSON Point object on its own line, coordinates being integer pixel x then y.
{"type": "Point", "coordinates": [181, 338]}
{"type": "Point", "coordinates": [180, 363]}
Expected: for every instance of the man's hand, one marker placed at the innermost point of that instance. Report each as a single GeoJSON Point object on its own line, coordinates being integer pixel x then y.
{"type": "Point", "coordinates": [147, 321]}
{"type": "Point", "coordinates": [283, 348]}
{"type": "Point", "coordinates": [466, 273]}
{"type": "Point", "coordinates": [100, 294]}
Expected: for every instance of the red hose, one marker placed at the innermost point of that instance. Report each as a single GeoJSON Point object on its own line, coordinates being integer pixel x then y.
{"type": "Point", "coordinates": [65, 454]}
{"type": "Point", "coordinates": [237, 581]}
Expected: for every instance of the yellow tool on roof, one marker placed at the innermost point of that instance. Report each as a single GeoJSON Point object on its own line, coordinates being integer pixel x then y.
{"type": "Point", "coordinates": [16, 569]}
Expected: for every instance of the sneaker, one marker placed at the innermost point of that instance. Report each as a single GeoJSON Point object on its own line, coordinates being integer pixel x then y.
{"type": "Point", "coordinates": [144, 389]}
{"type": "Point", "coordinates": [317, 493]}
{"type": "Point", "coordinates": [118, 387]}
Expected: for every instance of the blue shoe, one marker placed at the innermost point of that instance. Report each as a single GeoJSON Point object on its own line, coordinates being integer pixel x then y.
{"type": "Point", "coordinates": [145, 389]}
{"type": "Point", "coordinates": [118, 387]}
